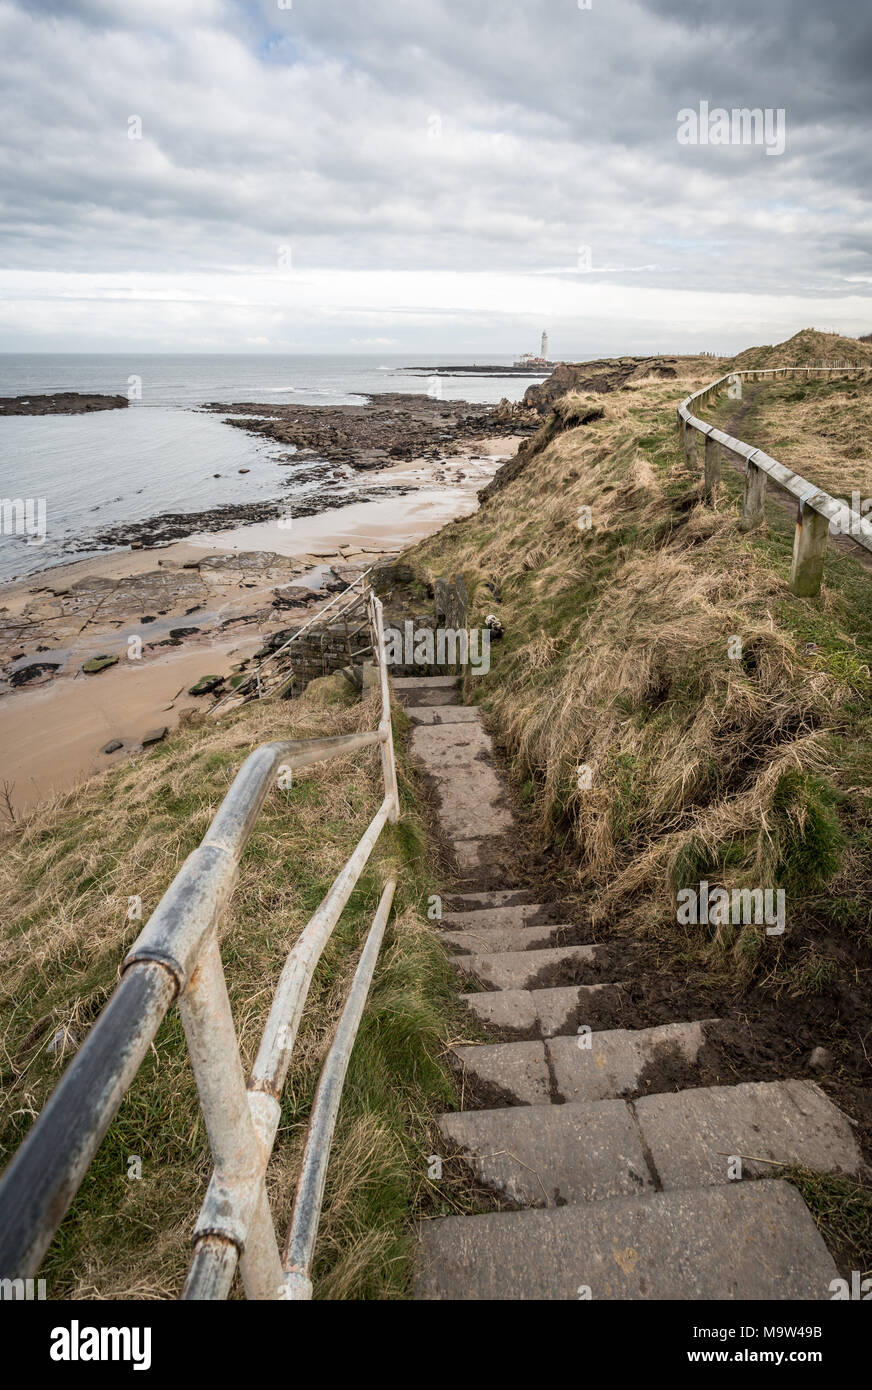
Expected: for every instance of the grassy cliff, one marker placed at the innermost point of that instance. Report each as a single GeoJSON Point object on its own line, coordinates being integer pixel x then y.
{"type": "Point", "coordinates": [726, 726]}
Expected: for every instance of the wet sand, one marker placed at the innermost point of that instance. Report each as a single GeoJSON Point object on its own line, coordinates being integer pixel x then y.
{"type": "Point", "coordinates": [52, 732]}
{"type": "Point", "coordinates": [391, 523]}
{"type": "Point", "coordinates": [52, 737]}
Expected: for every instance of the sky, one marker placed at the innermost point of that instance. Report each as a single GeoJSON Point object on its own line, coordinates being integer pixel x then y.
{"type": "Point", "coordinates": [416, 176]}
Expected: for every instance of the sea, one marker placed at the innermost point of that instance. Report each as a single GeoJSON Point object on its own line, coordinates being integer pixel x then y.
{"type": "Point", "coordinates": [161, 453]}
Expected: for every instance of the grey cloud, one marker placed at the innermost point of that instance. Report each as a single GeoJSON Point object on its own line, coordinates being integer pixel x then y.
{"type": "Point", "coordinates": [309, 126]}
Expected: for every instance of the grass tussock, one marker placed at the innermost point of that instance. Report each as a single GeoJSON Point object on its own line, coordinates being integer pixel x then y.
{"type": "Point", "coordinates": [808, 347]}
{"type": "Point", "coordinates": [725, 726]}
{"type": "Point", "coordinates": [67, 877]}
{"type": "Point", "coordinates": [843, 1214]}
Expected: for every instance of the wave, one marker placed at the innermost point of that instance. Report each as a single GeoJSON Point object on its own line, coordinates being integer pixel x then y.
{"type": "Point", "coordinates": [334, 391]}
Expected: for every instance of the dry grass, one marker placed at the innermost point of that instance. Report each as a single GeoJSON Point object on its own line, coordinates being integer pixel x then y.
{"type": "Point", "coordinates": [822, 429]}
{"type": "Point", "coordinates": [616, 656]}
{"type": "Point", "coordinates": [67, 875]}
{"type": "Point", "coordinates": [809, 347]}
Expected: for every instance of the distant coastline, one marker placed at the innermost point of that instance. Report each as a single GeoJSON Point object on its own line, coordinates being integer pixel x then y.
{"type": "Point", "coordinates": [485, 370]}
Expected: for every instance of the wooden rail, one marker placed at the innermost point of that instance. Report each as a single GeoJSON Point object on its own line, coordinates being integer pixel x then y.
{"type": "Point", "coordinates": [817, 511]}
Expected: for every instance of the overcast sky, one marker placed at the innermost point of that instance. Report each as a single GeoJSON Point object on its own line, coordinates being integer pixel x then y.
{"type": "Point", "coordinates": [417, 175]}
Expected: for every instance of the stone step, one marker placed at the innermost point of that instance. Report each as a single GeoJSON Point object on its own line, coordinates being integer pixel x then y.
{"type": "Point", "coordinates": [422, 691]}
{"type": "Point", "coordinates": [500, 939]}
{"type": "Point", "coordinates": [458, 758]}
{"type": "Point", "coordinates": [505, 1073]}
{"type": "Point", "coordinates": [529, 969]}
{"type": "Point", "coordinates": [483, 858]}
{"type": "Point", "coordinates": [548, 1156]}
{"type": "Point", "coordinates": [443, 713]}
{"type": "Point", "coordinates": [744, 1241]}
{"type": "Point", "coordinates": [617, 1060]}
{"type": "Point", "coordinates": [543, 1013]}
{"type": "Point", "coordinates": [514, 915]}
{"type": "Point", "coordinates": [461, 901]}
{"type": "Point", "coordinates": [559, 1069]}
{"type": "Point", "coordinates": [424, 682]}
{"type": "Point", "coordinates": [430, 699]}
{"type": "Point", "coordinates": [692, 1135]}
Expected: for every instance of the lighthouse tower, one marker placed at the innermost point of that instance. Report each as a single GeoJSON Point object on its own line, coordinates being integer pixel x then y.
{"type": "Point", "coordinates": [544, 352]}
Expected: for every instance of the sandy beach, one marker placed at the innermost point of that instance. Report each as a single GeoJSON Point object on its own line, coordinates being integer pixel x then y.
{"type": "Point", "coordinates": [192, 608]}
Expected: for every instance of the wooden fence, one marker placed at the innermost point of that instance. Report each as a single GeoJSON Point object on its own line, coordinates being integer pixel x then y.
{"type": "Point", "coordinates": [817, 511]}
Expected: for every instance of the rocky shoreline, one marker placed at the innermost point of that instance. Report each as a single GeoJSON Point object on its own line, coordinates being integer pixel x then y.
{"type": "Point", "coordinates": [328, 447]}
{"type": "Point", "coordinates": [386, 429]}
{"type": "Point", "coordinates": [160, 530]}
{"type": "Point", "coordinates": [116, 648]}
{"type": "Point", "coordinates": [332, 444]}
{"type": "Point", "coordinates": [60, 403]}
{"type": "Point", "coordinates": [485, 370]}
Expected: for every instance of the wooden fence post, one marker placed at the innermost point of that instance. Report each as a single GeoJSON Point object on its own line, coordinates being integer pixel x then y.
{"type": "Point", "coordinates": [712, 469]}
{"type": "Point", "coordinates": [809, 552]}
{"type": "Point", "coordinates": [690, 457]}
{"type": "Point", "coordinates": [754, 498]}
{"type": "Point", "coordinates": [461, 601]}
{"type": "Point", "coordinates": [441, 601]}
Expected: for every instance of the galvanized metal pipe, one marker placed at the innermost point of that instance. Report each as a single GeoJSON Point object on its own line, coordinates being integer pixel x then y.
{"type": "Point", "coordinates": [260, 1262]}
{"type": "Point", "coordinates": [237, 1182]}
{"type": "Point", "coordinates": [177, 954]}
{"type": "Point", "coordinates": [273, 1058]}
{"type": "Point", "coordinates": [215, 1258]}
{"type": "Point", "coordinates": [44, 1175]}
{"type": "Point", "coordinates": [303, 1228]}
{"type": "Point", "coordinates": [264, 1089]}
{"type": "Point", "coordinates": [197, 896]}
{"type": "Point", "coordinates": [211, 1272]}
{"type": "Point", "coordinates": [389, 767]}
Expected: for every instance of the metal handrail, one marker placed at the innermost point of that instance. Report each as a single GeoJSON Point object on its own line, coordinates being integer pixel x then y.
{"type": "Point", "coordinates": [177, 958]}
{"type": "Point", "coordinates": [295, 637]}
{"type": "Point", "coordinates": [810, 540]}
{"type": "Point", "coordinates": [281, 684]}
{"type": "Point", "coordinates": [303, 1227]}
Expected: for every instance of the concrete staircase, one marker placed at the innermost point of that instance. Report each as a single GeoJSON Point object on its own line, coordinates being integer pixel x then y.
{"type": "Point", "coordinates": [611, 1157]}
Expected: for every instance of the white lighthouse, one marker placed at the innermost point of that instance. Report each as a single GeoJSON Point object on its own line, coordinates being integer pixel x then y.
{"type": "Point", "coordinates": [529, 359]}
